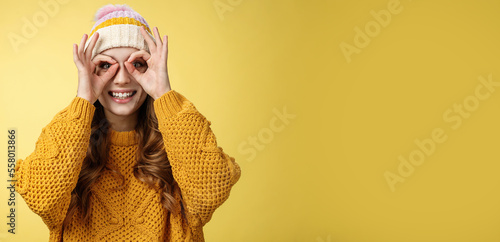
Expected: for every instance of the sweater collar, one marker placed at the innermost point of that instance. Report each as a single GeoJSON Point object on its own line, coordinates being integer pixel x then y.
{"type": "Point", "coordinates": [123, 138]}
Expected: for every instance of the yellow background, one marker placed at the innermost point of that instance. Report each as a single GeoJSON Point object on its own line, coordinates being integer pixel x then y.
{"type": "Point", "coordinates": [319, 177]}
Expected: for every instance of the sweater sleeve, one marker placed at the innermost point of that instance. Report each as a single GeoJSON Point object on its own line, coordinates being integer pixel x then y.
{"type": "Point", "coordinates": [47, 176]}
{"type": "Point", "coordinates": [204, 173]}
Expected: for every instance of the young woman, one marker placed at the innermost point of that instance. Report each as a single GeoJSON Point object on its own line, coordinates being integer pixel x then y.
{"type": "Point", "coordinates": [129, 159]}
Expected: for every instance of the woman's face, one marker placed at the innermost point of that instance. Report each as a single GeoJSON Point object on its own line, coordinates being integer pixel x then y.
{"type": "Point", "coordinates": [122, 96]}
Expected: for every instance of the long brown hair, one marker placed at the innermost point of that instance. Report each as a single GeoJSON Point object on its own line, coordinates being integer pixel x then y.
{"type": "Point", "coordinates": [152, 165]}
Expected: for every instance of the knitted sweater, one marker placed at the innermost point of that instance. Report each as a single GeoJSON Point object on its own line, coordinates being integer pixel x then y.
{"type": "Point", "coordinates": [203, 172]}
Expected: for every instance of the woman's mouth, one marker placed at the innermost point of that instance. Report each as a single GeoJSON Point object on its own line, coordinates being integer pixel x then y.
{"type": "Point", "coordinates": [122, 97]}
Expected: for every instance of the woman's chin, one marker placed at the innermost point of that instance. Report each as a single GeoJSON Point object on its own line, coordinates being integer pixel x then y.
{"type": "Point", "coordinates": [122, 112]}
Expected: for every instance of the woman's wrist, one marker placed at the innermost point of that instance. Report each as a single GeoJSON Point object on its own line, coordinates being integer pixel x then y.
{"type": "Point", "coordinates": [86, 98]}
{"type": "Point", "coordinates": [161, 93]}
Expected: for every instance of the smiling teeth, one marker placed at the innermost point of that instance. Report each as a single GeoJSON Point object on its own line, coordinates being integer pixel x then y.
{"type": "Point", "coordinates": [122, 95]}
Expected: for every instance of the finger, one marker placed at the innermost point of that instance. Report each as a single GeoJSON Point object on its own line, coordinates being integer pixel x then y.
{"type": "Point", "coordinates": [131, 69]}
{"type": "Point", "coordinates": [75, 54]}
{"type": "Point", "coordinates": [139, 54]}
{"type": "Point", "coordinates": [103, 58]}
{"type": "Point", "coordinates": [165, 47]}
{"type": "Point", "coordinates": [76, 58]}
{"type": "Point", "coordinates": [110, 72]}
{"type": "Point", "coordinates": [82, 44]}
{"type": "Point", "coordinates": [88, 52]}
{"type": "Point", "coordinates": [157, 36]}
{"type": "Point", "coordinates": [92, 67]}
{"type": "Point", "coordinates": [149, 40]}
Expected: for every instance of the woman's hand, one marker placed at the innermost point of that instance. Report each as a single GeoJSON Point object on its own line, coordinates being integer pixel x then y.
{"type": "Point", "coordinates": [154, 80]}
{"type": "Point", "coordinates": [90, 85]}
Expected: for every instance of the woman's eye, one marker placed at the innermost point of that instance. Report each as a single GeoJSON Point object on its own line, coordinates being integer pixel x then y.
{"type": "Point", "coordinates": [137, 64]}
{"type": "Point", "coordinates": [105, 65]}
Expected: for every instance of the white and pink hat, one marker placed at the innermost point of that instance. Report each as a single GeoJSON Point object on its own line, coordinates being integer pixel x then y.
{"type": "Point", "coordinates": [118, 26]}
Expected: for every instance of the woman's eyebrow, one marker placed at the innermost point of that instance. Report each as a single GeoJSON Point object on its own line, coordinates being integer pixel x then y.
{"type": "Point", "coordinates": [126, 58]}
{"type": "Point", "coordinates": [107, 55]}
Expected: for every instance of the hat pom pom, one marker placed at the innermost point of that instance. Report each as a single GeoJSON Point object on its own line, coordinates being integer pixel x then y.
{"type": "Point", "coordinates": [109, 9]}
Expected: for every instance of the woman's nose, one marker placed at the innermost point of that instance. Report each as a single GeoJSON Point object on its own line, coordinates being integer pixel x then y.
{"type": "Point", "coordinates": [122, 76]}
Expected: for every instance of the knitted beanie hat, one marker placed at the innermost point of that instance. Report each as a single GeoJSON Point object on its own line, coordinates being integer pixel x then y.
{"type": "Point", "coordinates": [118, 26]}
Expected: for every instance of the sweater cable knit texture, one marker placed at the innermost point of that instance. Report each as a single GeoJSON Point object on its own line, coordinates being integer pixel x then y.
{"type": "Point", "coordinates": [204, 174]}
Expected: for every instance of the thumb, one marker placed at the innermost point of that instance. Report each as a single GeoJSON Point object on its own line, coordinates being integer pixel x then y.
{"type": "Point", "coordinates": [110, 72]}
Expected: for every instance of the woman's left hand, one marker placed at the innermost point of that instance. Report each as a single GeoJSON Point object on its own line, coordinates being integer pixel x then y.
{"type": "Point", "coordinates": [154, 80]}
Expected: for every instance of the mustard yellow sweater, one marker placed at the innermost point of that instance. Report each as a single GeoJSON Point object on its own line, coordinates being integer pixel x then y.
{"type": "Point", "coordinates": [204, 173]}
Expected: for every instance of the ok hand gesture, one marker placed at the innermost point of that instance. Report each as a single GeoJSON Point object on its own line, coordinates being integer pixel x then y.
{"type": "Point", "coordinates": [90, 85]}
{"type": "Point", "coordinates": [154, 80]}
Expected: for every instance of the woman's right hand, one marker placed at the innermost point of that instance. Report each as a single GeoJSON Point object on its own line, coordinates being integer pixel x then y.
{"type": "Point", "coordinates": [90, 85]}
